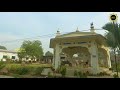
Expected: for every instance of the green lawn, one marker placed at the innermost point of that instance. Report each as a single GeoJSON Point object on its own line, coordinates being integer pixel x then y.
{"type": "Point", "coordinates": [20, 70]}
{"type": "Point", "coordinates": [30, 65]}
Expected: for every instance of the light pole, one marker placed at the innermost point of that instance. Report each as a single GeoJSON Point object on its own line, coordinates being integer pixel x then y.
{"type": "Point", "coordinates": [113, 18]}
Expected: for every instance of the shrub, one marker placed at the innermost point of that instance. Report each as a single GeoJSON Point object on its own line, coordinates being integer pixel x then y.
{"type": "Point", "coordinates": [87, 73]}
{"type": "Point", "coordinates": [82, 75]}
{"type": "Point", "coordinates": [9, 60]}
{"type": "Point", "coordinates": [12, 69]}
{"type": "Point", "coordinates": [115, 76]}
{"type": "Point", "coordinates": [38, 71]}
{"type": "Point", "coordinates": [19, 70]}
{"type": "Point", "coordinates": [102, 74]}
{"type": "Point", "coordinates": [75, 73]}
{"type": "Point", "coordinates": [49, 75]}
{"type": "Point", "coordinates": [79, 74]}
{"type": "Point", "coordinates": [63, 71]}
{"type": "Point", "coordinates": [2, 65]}
{"type": "Point", "coordinates": [22, 70]}
{"type": "Point", "coordinates": [19, 61]}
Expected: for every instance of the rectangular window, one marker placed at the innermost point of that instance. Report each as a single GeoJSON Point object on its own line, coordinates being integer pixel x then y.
{"type": "Point", "coordinates": [13, 57]}
{"type": "Point", "coordinates": [4, 56]}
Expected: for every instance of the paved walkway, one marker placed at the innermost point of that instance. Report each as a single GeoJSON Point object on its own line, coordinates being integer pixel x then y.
{"type": "Point", "coordinates": [3, 76]}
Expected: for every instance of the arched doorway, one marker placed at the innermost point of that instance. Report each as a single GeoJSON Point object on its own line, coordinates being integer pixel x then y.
{"type": "Point", "coordinates": [103, 57]}
{"type": "Point", "coordinates": [77, 55]}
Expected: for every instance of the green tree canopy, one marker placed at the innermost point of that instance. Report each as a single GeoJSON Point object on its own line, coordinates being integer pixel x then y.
{"type": "Point", "coordinates": [32, 49]}
{"type": "Point", "coordinates": [3, 47]}
{"type": "Point", "coordinates": [48, 53]}
{"type": "Point", "coordinates": [111, 42]}
{"type": "Point", "coordinates": [113, 33]}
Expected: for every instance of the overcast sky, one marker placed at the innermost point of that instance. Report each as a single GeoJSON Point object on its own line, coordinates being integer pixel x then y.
{"type": "Point", "coordinates": [22, 25]}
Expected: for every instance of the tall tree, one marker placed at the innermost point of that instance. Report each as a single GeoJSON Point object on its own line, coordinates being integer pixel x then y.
{"type": "Point", "coordinates": [21, 53]}
{"type": "Point", "coordinates": [3, 47]}
{"type": "Point", "coordinates": [112, 37]}
{"type": "Point", "coordinates": [111, 41]}
{"type": "Point", "coordinates": [32, 49]}
{"type": "Point", "coordinates": [114, 31]}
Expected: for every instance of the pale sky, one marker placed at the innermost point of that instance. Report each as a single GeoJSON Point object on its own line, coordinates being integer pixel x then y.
{"type": "Point", "coordinates": [15, 26]}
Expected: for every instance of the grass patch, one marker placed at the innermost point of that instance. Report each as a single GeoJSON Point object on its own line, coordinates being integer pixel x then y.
{"type": "Point", "coordinates": [2, 65]}
{"type": "Point", "coordinates": [18, 70]}
{"type": "Point", "coordinates": [38, 71]}
{"type": "Point", "coordinates": [80, 74]}
{"type": "Point", "coordinates": [21, 70]}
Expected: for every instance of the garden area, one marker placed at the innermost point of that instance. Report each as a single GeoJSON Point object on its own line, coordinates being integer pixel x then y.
{"type": "Point", "coordinates": [22, 70]}
{"type": "Point", "coordinates": [34, 70]}
{"type": "Point", "coordinates": [37, 70]}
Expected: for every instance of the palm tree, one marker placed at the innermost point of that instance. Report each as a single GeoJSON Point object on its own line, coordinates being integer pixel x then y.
{"type": "Point", "coordinates": [115, 30]}
{"type": "Point", "coordinates": [112, 37]}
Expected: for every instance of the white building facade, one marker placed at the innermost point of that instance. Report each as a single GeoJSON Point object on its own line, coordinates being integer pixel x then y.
{"type": "Point", "coordinates": [5, 54]}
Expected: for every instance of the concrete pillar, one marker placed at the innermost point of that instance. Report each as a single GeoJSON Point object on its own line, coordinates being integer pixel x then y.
{"type": "Point", "coordinates": [53, 61]}
{"type": "Point", "coordinates": [94, 58]}
{"type": "Point", "coordinates": [57, 56]}
{"type": "Point", "coordinates": [108, 59]}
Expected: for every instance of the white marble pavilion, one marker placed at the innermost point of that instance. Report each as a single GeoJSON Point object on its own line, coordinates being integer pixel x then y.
{"type": "Point", "coordinates": [90, 44]}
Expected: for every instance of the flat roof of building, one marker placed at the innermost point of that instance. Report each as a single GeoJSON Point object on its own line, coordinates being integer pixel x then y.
{"type": "Point", "coordinates": [8, 51]}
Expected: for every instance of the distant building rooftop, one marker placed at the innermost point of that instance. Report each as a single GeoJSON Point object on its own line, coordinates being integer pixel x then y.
{"type": "Point", "coordinates": [2, 50]}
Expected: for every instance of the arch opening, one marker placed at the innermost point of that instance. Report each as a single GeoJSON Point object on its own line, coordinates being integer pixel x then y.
{"type": "Point", "coordinates": [77, 56]}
